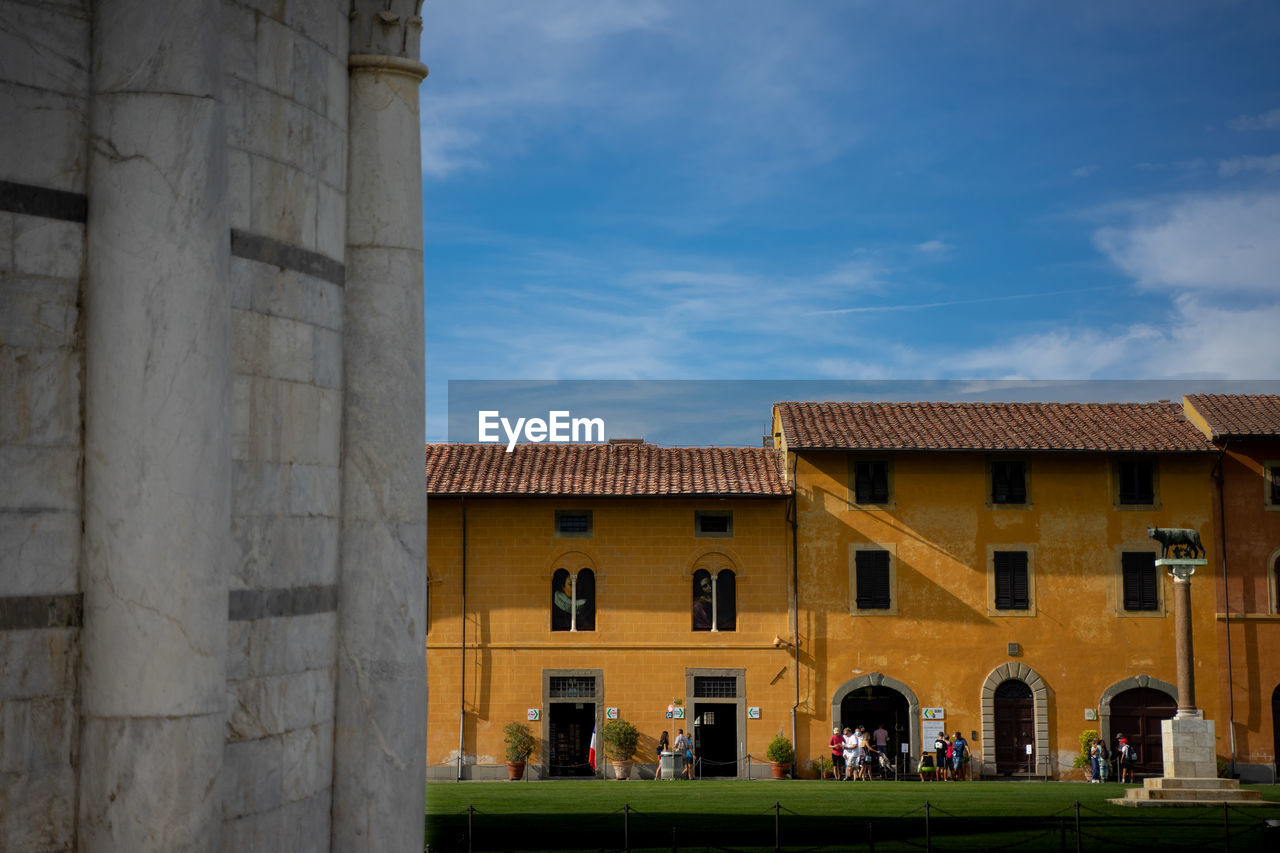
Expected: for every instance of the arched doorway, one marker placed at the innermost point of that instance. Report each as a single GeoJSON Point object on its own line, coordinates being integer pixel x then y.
{"type": "Point", "coordinates": [874, 706]}
{"type": "Point", "coordinates": [1136, 713]}
{"type": "Point", "coordinates": [876, 698]}
{"type": "Point", "coordinates": [1015, 726]}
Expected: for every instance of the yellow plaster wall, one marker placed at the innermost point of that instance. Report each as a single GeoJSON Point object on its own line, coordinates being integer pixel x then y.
{"type": "Point", "coordinates": [943, 642]}
{"type": "Point", "coordinates": [643, 552]}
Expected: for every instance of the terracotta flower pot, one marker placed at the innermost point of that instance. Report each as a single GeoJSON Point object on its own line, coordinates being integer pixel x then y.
{"type": "Point", "coordinates": [515, 770]}
{"type": "Point", "coordinates": [779, 769]}
{"type": "Point", "coordinates": [621, 769]}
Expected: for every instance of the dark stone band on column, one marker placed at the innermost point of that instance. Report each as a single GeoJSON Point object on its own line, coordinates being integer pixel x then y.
{"type": "Point", "coordinates": [265, 250]}
{"type": "Point", "coordinates": [248, 604]}
{"type": "Point", "coordinates": [43, 201]}
{"type": "Point", "coordinates": [32, 612]}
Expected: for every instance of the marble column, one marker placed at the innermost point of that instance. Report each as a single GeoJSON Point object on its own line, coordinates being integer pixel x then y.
{"type": "Point", "coordinates": [380, 721]}
{"type": "Point", "coordinates": [157, 478]}
{"type": "Point", "coordinates": [1183, 646]}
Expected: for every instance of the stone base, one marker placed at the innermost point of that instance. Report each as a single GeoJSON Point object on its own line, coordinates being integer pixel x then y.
{"type": "Point", "coordinates": [1189, 792]}
{"type": "Point", "coordinates": [1190, 751]}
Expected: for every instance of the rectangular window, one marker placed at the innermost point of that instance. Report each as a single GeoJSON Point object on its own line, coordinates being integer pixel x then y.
{"type": "Point", "coordinates": [871, 481]}
{"type": "Point", "coordinates": [573, 523]}
{"type": "Point", "coordinates": [572, 687]}
{"type": "Point", "coordinates": [1273, 485]}
{"type": "Point", "coordinates": [713, 523]}
{"type": "Point", "coordinates": [1008, 482]}
{"type": "Point", "coordinates": [715, 687]}
{"type": "Point", "coordinates": [872, 571]}
{"type": "Point", "coordinates": [1137, 481]}
{"type": "Point", "coordinates": [1012, 588]}
{"type": "Point", "coordinates": [1141, 580]}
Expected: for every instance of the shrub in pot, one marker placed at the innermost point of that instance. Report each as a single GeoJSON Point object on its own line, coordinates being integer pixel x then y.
{"type": "Point", "coordinates": [780, 755]}
{"type": "Point", "coordinates": [520, 745]}
{"type": "Point", "coordinates": [620, 741]}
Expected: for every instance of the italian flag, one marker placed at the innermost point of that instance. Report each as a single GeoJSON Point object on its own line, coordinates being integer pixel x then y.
{"type": "Point", "coordinates": [591, 753]}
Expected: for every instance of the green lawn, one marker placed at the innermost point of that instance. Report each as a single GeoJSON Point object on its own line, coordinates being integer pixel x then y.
{"type": "Point", "coordinates": [589, 815]}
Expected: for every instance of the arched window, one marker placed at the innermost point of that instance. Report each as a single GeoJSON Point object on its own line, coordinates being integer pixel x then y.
{"type": "Point", "coordinates": [715, 605]}
{"type": "Point", "coordinates": [573, 600]}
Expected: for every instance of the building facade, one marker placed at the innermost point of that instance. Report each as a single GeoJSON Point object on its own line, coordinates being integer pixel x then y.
{"type": "Point", "coordinates": [926, 567]}
{"type": "Point", "coordinates": [988, 566]}
{"type": "Point", "coordinates": [1245, 430]}
{"type": "Point", "coordinates": [565, 581]}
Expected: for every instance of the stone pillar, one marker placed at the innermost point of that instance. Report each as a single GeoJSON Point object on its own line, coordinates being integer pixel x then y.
{"type": "Point", "coordinates": [380, 722]}
{"type": "Point", "coordinates": [1183, 646]}
{"type": "Point", "coordinates": [157, 475]}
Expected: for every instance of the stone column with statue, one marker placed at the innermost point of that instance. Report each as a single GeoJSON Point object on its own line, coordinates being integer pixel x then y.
{"type": "Point", "coordinates": [1188, 739]}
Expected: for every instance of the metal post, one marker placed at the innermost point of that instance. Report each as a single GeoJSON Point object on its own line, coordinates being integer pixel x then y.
{"type": "Point", "coordinates": [471, 810]}
{"type": "Point", "coordinates": [871, 841]}
{"type": "Point", "coordinates": [928, 844]}
{"type": "Point", "coordinates": [1226, 828]}
{"type": "Point", "coordinates": [626, 827]}
{"type": "Point", "coordinates": [777, 826]}
{"type": "Point", "coordinates": [1078, 840]}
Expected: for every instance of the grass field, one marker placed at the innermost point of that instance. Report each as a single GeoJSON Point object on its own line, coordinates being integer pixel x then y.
{"type": "Point", "coordinates": [812, 815]}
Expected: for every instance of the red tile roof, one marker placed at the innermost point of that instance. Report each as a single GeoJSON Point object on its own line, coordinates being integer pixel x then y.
{"type": "Point", "coordinates": [990, 426]}
{"type": "Point", "coordinates": [602, 470]}
{"type": "Point", "coordinates": [1238, 415]}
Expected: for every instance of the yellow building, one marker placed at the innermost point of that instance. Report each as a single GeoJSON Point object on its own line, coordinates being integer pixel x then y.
{"type": "Point", "coordinates": [1246, 485]}
{"type": "Point", "coordinates": [987, 566]}
{"type": "Point", "coordinates": [982, 568]}
{"type": "Point", "coordinates": [568, 580]}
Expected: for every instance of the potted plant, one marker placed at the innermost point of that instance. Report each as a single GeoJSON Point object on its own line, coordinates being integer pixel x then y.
{"type": "Point", "coordinates": [520, 744]}
{"type": "Point", "coordinates": [780, 755]}
{"type": "Point", "coordinates": [620, 740]}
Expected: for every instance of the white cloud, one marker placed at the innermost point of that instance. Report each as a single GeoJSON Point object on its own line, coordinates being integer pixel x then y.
{"type": "Point", "coordinates": [1222, 243]}
{"type": "Point", "coordinates": [934, 247]}
{"type": "Point", "coordinates": [1083, 171]}
{"type": "Point", "coordinates": [1269, 120]}
{"type": "Point", "coordinates": [1268, 165]}
{"type": "Point", "coordinates": [1205, 340]}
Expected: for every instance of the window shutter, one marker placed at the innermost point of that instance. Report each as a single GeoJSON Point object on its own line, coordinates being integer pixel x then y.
{"type": "Point", "coordinates": [871, 482]}
{"type": "Point", "coordinates": [726, 601]}
{"type": "Point", "coordinates": [1141, 581]}
{"type": "Point", "coordinates": [1012, 589]}
{"type": "Point", "coordinates": [872, 577]}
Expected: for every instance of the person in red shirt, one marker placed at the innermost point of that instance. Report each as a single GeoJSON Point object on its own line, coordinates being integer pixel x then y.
{"type": "Point", "coordinates": [837, 753]}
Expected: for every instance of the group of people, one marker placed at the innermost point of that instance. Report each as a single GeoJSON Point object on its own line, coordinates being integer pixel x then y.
{"type": "Point", "coordinates": [1100, 758]}
{"type": "Point", "coordinates": [949, 760]}
{"type": "Point", "coordinates": [683, 746]}
{"type": "Point", "coordinates": [855, 752]}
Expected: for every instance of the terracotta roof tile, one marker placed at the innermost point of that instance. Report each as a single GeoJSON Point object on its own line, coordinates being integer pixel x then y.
{"type": "Point", "coordinates": [602, 470]}
{"type": "Point", "coordinates": [1239, 415]}
{"type": "Point", "coordinates": [990, 426]}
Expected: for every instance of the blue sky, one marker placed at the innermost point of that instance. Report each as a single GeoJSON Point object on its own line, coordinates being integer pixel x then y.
{"type": "Point", "coordinates": [670, 189]}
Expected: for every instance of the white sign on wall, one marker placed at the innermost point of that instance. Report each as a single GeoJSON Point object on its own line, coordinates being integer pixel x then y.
{"type": "Point", "coordinates": [611, 713]}
{"type": "Point", "coordinates": [933, 713]}
{"type": "Point", "coordinates": [753, 713]}
{"type": "Point", "coordinates": [535, 714]}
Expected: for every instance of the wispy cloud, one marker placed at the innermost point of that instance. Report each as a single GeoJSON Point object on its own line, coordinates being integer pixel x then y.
{"type": "Point", "coordinates": [934, 247]}
{"type": "Point", "coordinates": [1224, 242]}
{"type": "Point", "coordinates": [1270, 120]}
{"type": "Point", "coordinates": [1267, 165]}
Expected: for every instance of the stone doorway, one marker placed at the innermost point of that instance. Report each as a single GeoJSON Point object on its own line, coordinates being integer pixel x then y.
{"type": "Point", "coordinates": [1137, 713]}
{"type": "Point", "coordinates": [1014, 727]}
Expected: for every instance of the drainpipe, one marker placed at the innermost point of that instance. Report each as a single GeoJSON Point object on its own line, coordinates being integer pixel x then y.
{"type": "Point", "coordinates": [1220, 475]}
{"type": "Point", "coordinates": [795, 601]}
{"type": "Point", "coordinates": [462, 694]}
